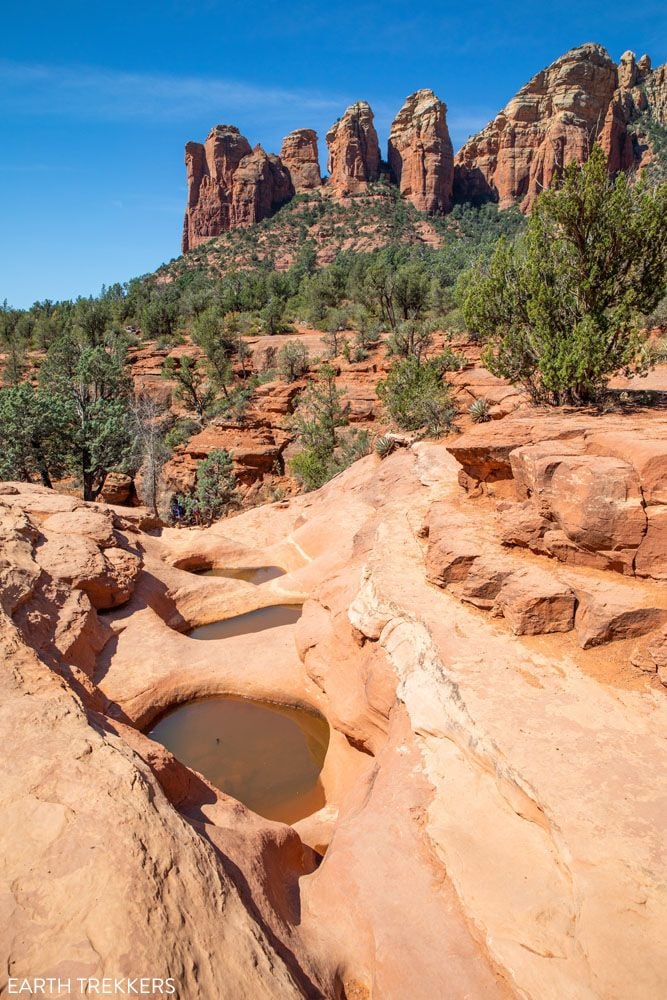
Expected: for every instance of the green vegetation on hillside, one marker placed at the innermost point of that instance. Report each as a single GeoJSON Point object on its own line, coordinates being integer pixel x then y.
{"type": "Point", "coordinates": [561, 310]}
{"type": "Point", "coordinates": [226, 276]}
{"type": "Point", "coordinates": [559, 302]}
{"type": "Point", "coordinates": [320, 415]}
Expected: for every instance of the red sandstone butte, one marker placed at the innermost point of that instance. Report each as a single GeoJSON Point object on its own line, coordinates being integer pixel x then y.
{"type": "Point", "coordinates": [230, 185]}
{"type": "Point", "coordinates": [420, 153]}
{"type": "Point", "coordinates": [553, 120]}
{"type": "Point", "coordinates": [300, 156]}
{"type": "Point", "coordinates": [354, 153]}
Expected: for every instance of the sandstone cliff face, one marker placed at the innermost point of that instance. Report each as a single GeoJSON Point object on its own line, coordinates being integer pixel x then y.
{"type": "Point", "coordinates": [420, 153]}
{"type": "Point", "coordinates": [210, 169]}
{"type": "Point", "coordinates": [300, 156]}
{"type": "Point", "coordinates": [354, 153]}
{"type": "Point", "coordinates": [550, 122]}
{"type": "Point", "coordinates": [230, 185]}
{"type": "Point", "coordinates": [582, 97]}
{"type": "Point", "coordinates": [261, 185]}
{"type": "Point", "coordinates": [655, 90]}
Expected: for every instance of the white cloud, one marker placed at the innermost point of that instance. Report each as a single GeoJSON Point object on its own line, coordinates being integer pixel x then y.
{"type": "Point", "coordinates": [112, 95]}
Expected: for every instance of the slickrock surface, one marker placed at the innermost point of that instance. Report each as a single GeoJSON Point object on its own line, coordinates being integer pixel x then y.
{"type": "Point", "coordinates": [420, 153]}
{"type": "Point", "coordinates": [554, 119]}
{"type": "Point", "coordinates": [495, 820]}
{"type": "Point", "coordinates": [354, 154]}
{"type": "Point", "coordinates": [300, 156]}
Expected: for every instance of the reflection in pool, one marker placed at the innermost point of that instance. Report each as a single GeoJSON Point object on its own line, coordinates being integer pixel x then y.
{"type": "Point", "coordinates": [266, 756]}
{"type": "Point", "coordinates": [252, 621]}
{"type": "Point", "coordinates": [256, 574]}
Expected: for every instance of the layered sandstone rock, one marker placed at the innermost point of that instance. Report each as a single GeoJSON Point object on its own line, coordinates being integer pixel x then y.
{"type": "Point", "coordinates": [420, 153]}
{"type": "Point", "coordinates": [584, 490]}
{"type": "Point", "coordinates": [210, 168]}
{"type": "Point", "coordinates": [580, 98]}
{"type": "Point", "coordinates": [230, 185]}
{"type": "Point", "coordinates": [300, 156]}
{"type": "Point", "coordinates": [550, 122]}
{"type": "Point", "coordinates": [260, 186]}
{"type": "Point", "coordinates": [486, 768]}
{"type": "Point", "coordinates": [354, 153]}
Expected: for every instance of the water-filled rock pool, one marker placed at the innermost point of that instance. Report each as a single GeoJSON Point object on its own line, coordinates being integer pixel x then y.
{"type": "Point", "coordinates": [251, 621]}
{"type": "Point", "coordinates": [256, 574]}
{"type": "Point", "coordinates": [267, 756]}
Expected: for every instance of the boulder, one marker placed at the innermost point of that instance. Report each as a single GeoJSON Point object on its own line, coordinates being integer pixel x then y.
{"type": "Point", "coordinates": [607, 612]}
{"type": "Point", "coordinates": [93, 523]}
{"type": "Point", "coordinates": [650, 655]}
{"type": "Point", "coordinates": [651, 556]}
{"type": "Point", "coordinates": [522, 524]}
{"type": "Point", "coordinates": [118, 487]}
{"type": "Point", "coordinates": [452, 547]}
{"type": "Point", "coordinates": [534, 602]}
{"type": "Point", "coordinates": [595, 500]}
{"type": "Point", "coordinates": [484, 581]}
{"type": "Point", "coordinates": [108, 578]}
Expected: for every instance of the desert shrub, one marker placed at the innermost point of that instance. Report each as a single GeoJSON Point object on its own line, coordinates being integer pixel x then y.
{"type": "Point", "coordinates": [384, 446]}
{"type": "Point", "coordinates": [319, 416]}
{"type": "Point", "coordinates": [562, 311]}
{"type": "Point", "coordinates": [416, 397]}
{"type": "Point", "coordinates": [658, 317]}
{"type": "Point", "coordinates": [214, 494]}
{"type": "Point", "coordinates": [292, 360]}
{"type": "Point", "coordinates": [181, 432]}
{"type": "Point", "coordinates": [479, 410]}
{"type": "Point", "coordinates": [194, 386]}
{"type": "Point", "coordinates": [412, 338]}
{"type": "Point", "coordinates": [449, 360]}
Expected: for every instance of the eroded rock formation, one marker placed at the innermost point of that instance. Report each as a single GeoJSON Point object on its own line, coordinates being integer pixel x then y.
{"type": "Point", "coordinates": [261, 185]}
{"type": "Point", "coordinates": [550, 122]}
{"type": "Point", "coordinates": [230, 185]}
{"type": "Point", "coordinates": [583, 491]}
{"type": "Point", "coordinates": [581, 98]}
{"type": "Point", "coordinates": [420, 153]}
{"type": "Point", "coordinates": [554, 119]}
{"type": "Point", "coordinates": [471, 733]}
{"type": "Point", "coordinates": [210, 168]}
{"type": "Point", "coordinates": [354, 153]}
{"type": "Point", "coordinates": [300, 156]}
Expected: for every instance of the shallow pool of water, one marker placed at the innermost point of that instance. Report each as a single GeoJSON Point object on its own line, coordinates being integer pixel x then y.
{"type": "Point", "coordinates": [255, 574]}
{"type": "Point", "coordinates": [251, 621]}
{"type": "Point", "coordinates": [267, 756]}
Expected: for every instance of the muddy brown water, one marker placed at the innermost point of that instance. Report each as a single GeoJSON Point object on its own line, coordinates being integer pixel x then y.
{"type": "Point", "coordinates": [255, 574]}
{"type": "Point", "coordinates": [251, 621]}
{"type": "Point", "coordinates": [267, 756]}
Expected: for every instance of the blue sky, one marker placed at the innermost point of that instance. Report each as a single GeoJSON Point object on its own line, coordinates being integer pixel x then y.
{"type": "Point", "coordinates": [97, 100]}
